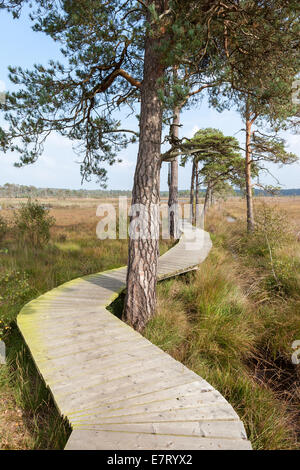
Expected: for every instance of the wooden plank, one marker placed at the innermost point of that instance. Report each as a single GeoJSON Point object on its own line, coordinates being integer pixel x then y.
{"type": "Point", "coordinates": [111, 440]}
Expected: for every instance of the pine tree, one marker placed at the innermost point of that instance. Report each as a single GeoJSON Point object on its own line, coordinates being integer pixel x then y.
{"type": "Point", "coordinates": [262, 98]}
{"type": "Point", "coordinates": [115, 53]}
{"type": "Point", "coordinates": [216, 159]}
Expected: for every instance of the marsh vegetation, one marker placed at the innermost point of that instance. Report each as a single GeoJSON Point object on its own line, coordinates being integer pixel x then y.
{"type": "Point", "coordinates": [232, 322]}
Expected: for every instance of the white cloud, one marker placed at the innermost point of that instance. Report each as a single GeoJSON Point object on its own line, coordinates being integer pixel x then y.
{"type": "Point", "coordinates": [193, 131]}
{"type": "Point", "coordinates": [57, 140]}
{"type": "Point", "coordinates": [125, 164]}
{"type": "Point", "coordinates": [293, 141]}
{"type": "Point", "coordinates": [2, 86]}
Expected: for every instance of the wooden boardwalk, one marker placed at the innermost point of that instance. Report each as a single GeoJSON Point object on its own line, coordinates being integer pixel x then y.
{"type": "Point", "coordinates": [117, 389]}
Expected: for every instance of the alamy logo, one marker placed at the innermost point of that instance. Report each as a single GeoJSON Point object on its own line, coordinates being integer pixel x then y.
{"type": "Point", "coordinates": [296, 354]}
{"type": "Point", "coordinates": [149, 222]}
{"type": "Point", "coordinates": [296, 92]}
{"type": "Point", "coordinates": [2, 352]}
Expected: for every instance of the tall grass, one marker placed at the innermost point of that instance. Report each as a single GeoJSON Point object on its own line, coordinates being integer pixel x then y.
{"type": "Point", "coordinates": [231, 327]}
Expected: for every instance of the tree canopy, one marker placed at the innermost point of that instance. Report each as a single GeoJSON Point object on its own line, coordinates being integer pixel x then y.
{"type": "Point", "coordinates": [218, 156]}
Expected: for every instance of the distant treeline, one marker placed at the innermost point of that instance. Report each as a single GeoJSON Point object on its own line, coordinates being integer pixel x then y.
{"type": "Point", "coordinates": [281, 192]}
{"type": "Point", "coordinates": [21, 191]}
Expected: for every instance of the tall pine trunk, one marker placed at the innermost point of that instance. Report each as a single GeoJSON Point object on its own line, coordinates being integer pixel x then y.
{"type": "Point", "coordinates": [212, 198]}
{"type": "Point", "coordinates": [197, 211]}
{"type": "Point", "coordinates": [207, 198]}
{"type": "Point", "coordinates": [249, 196]}
{"type": "Point", "coordinates": [173, 184]}
{"type": "Point", "coordinates": [192, 194]}
{"type": "Point", "coordinates": [140, 301]}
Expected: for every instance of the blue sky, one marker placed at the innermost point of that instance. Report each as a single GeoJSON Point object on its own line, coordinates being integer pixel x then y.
{"type": "Point", "coordinates": [58, 167]}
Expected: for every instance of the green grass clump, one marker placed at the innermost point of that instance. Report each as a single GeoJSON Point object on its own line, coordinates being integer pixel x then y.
{"type": "Point", "coordinates": [3, 228]}
{"type": "Point", "coordinates": [169, 327]}
{"type": "Point", "coordinates": [46, 427]}
{"type": "Point", "coordinates": [267, 421]}
{"type": "Point", "coordinates": [68, 246]}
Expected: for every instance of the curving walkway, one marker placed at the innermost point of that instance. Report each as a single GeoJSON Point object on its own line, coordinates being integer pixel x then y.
{"type": "Point", "coordinates": [117, 389]}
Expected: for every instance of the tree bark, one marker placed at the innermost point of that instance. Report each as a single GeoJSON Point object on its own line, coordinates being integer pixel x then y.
{"type": "Point", "coordinates": [192, 194]}
{"type": "Point", "coordinates": [207, 197]}
{"type": "Point", "coordinates": [140, 300]}
{"type": "Point", "coordinates": [197, 212]}
{"type": "Point", "coordinates": [173, 184]}
{"type": "Point", "coordinates": [249, 197]}
{"type": "Point", "coordinates": [211, 197]}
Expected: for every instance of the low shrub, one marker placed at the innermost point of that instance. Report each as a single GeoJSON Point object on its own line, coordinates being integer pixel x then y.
{"type": "Point", "coordinates": [15, 291]}
{"type": "Point", "coordinates": [33, 223]}
{"type": "Point", "coordinates": [3, 228]}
